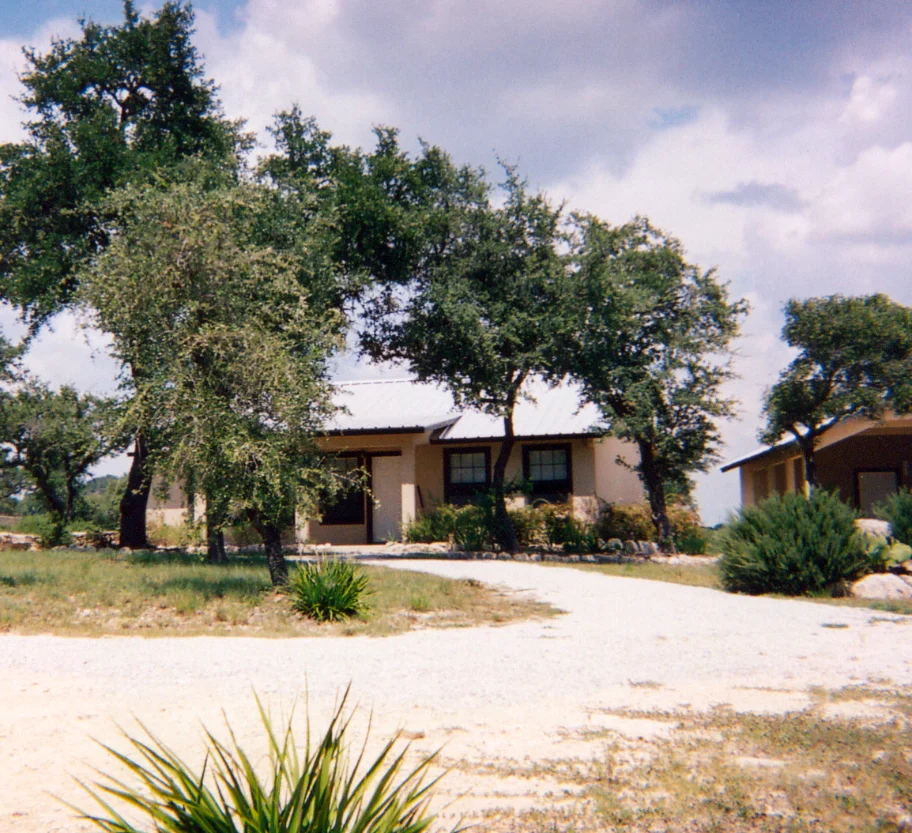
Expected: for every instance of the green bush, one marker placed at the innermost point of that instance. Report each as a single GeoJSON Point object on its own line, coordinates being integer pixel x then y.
{"type": "Point", "coordinates": [633, 522]}
{"type": "Point", "coordinates": [470, 527]}
{"type": "Point", "coordinates": [529, 523]}
{"type": "Point", "coordinates": [438, 524]}
{"type": "Point", "coordinates": [50, 531]}
{"type": "Point", "coordinates": [897, 509]}
{"type": "Point", "coordinates": [316, 791]}
{"type": "Point", "coordinates": [328, 590]}
{"type": "Point", "coordinates": [792, 545]}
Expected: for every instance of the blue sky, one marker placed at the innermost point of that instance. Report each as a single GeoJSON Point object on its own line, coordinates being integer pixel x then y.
{"type": "Point", "coordinates": [773, 138]}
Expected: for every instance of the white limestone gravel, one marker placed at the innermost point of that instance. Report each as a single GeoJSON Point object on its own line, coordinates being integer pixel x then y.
{"type": "Point", "coordinates": [517, 692]}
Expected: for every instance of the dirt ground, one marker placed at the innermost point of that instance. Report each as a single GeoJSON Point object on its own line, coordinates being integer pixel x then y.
{"type": "Point", "coordinates": [546, 724]}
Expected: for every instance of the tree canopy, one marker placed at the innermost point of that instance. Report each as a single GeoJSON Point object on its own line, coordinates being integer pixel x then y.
{"type": "Point", "coordinates": [54, 438]}
{"type": "Point", "coordinates": [647, 336]}
{"type": "Point", "coordinates": [229, 351]}
{"type": "Point", "coordinates": [854, 359]}
{"type": "Point", "coordinates": [116, 104]}
{"type": "Point", "coordinates": [477, 319]}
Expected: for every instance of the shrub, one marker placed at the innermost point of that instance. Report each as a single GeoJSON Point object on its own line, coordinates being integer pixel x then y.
{"type": "Point", "coordinates": [897, 509]}
{"type": "Point", "coordinates": [50, 531]}
{"type": "Point", "coordinates": [792, 545]}
{"type": "Point", "coordinates": [328, 590]}
{"type": "Point", "coordinates": [529, 523]}
{"type": "Point", "coordinates": [438, 524]}
{"type": "Point", "coordinates": [317, 791]}
{"type": "Point", "coordinates": [471, 527]}
{"type": "Point", "coordinates": [633, 522]}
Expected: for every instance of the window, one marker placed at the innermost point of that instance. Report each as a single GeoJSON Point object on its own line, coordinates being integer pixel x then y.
{"type": "Point", "coordinates": [547, 468]}
{"type": "Point", "coordinates": [349, 505]}
{"type": "Point", "coordinates": [466, 471]}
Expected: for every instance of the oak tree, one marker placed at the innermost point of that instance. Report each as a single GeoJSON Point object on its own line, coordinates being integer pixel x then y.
{"type": "Point", "coordinates": [854, 359]}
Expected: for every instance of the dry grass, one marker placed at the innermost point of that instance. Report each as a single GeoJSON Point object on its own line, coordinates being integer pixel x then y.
{"type": "Point", "coordinates": [734, 772]}
{"type": "Point", "coordinates": [696, 575]}
{"type": "Point", "coordinates": [168, 594]}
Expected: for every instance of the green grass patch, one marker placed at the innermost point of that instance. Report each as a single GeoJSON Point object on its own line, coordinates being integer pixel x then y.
{"type": "Point", "coordinates": [173, 594]}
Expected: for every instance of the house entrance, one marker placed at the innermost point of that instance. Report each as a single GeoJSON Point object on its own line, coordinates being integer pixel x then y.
{"type": "Point", "coordinates": [386, 484]}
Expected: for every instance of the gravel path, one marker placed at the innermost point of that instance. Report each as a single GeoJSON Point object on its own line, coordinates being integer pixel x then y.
{"type": "Point", "coordinates": [513, 692]}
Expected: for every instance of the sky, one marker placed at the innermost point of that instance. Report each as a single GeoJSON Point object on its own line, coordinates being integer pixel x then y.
{"type": "Point", "coordinates": [773, 139]}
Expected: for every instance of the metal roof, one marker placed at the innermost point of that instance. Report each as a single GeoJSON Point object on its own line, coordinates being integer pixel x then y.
{"type": "Point", "coordinates": [759, 453]}
{"type": "Point", "coordinates": [405, 406]}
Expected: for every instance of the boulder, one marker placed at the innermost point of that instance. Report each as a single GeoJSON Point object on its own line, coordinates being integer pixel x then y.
{"type": "Point", "coordinates": [615, 545]}
{"type": "Point", "coordinates": [630, 547]}
{"type": "Point", "coordinates": [874, 528]}
{"type": "Point", "coordinates": [882, 586]}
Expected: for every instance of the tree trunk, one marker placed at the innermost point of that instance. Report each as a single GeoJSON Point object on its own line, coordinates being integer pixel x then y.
{"type": "Point", "coordinates": [272, 544]}
{"type": "Point", "coordinates": [136, 498]}
{"type": "Point", "coordinates": [655, 491]}
{"type": "Point", "coordinates": [503, 525]}
{"type": "Point", "coordinates": [215, 535]}
{"type": "Point", "coordinates": [55, 505]}
{"type": "Point", "coordinates": [215, 546]}
{"type": "Point", "coordinates": [810, 466]}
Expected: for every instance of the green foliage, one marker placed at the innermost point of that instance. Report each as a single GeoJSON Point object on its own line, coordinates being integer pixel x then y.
{"type": "Point", "coordinates": [54, 438]}
{"type": "Point", "coordinates": [793, 545]}
{"type": "Point", "coordinates": [647, 336]}
{"type": "Point", "coordinates": [470, 527]}
{"type": "Point", "coordinates": [897, 509]}
{"type": "Point", "coordinates": [476, 318]}
{"type": "Point", "coordinates": [633, 522]}
{"type": "Point", "coordinates": [101, 499]}
{"type": "Point", "coordinates": [328, 590]}
{"type": "Point", "coordinates": [436, 524]}
{"type": "Point", "coordinates": [884, 554]}
{"type": "Point", "coordinates": [854, 358]}
{"type": "Point", "coordinates": [229, 350]}
{"type": "Point", "coordinates": [111, 106]}
{"type": "Point", "coordinates": [316, 790]}
{"type": "Point", "coordinates": [51, 530]}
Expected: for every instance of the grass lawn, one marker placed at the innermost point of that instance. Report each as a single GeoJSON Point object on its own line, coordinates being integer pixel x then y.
{"type": "Point", "coordinates": [706, 575]}
{"type": "Point", "coordinates": [173, 594]}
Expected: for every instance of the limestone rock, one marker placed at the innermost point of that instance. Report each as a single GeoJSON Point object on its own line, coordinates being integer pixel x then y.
{"type": "Point", "coordinates": [882, 586]}
{"type": "Point", "coordinates": [873, 528]}
{"type": "Point", "coordinates": [630, 547]}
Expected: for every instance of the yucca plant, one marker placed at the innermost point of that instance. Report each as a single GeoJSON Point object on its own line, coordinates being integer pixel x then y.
{"type": "Point", "coordinates": [317, 792]}
{"type": "Point", "coordinates": [328, 590]}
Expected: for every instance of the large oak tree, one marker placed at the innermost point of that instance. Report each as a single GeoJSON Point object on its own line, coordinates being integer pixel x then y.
{"type": "Point", "coordinates": [113, 106]}
{"type": "Point", "coordinates": [647, 336]}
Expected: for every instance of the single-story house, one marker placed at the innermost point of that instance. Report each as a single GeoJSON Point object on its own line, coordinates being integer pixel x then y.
{"type": "Point", "coordinates": [864, 460]}
{"type": "Point", "coordinates": [420, 450]}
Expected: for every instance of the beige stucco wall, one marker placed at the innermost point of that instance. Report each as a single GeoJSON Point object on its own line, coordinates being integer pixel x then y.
{"type": "Point", "coordinates": [597, 478]}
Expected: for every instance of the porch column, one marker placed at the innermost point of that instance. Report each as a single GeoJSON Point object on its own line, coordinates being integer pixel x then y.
{"type": "Point", "coordinates": [409, 479]}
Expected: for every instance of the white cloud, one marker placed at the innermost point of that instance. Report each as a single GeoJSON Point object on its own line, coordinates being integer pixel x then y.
{"type": "Point", "coordinates": [870, 99]}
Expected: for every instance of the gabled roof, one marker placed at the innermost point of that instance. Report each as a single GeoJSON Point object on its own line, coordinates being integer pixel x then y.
{"type": "Point", "coordinates": [405, 406]}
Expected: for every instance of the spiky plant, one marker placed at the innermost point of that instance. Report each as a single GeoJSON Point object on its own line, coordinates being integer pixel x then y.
{"type": "Point", "coordinates": [314, 792]}
{"type": "Point", "coordinates": [328, 590]}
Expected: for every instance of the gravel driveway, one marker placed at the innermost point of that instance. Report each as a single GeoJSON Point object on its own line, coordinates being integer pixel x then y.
{"type": "Point", "coordinates": [514, 692]}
